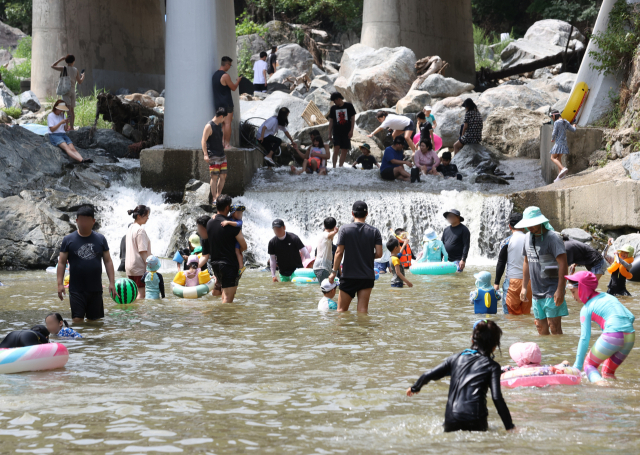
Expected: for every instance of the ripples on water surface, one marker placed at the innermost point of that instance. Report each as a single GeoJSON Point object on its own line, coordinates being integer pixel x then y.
{"type": "Point", "coordinates": [270, 374]}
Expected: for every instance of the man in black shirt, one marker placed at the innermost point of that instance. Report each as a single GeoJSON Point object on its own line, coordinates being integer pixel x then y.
{"type": "Point", "coordinates": [456, 239]}
{"type": "Point", "coordinates": [359, 243]}
{"type": "Point", "coordinates": [579, 253]}
{"type": "Point", "coordinates": [342, 119]}
{"type": "Point", "coordinates": [286, 250]}
{"type": "Point", "coordinates": [272, 61]}
{"type": "Point", "coordinates": [221, 243]}
{"type": "Point", "coordinates": [86, 251]}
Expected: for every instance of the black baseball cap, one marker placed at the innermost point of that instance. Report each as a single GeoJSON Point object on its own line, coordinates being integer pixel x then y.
{"type": "Point", "coordinates": [277, 223]}
{"type": "Point", "coordinates": [360, 207]}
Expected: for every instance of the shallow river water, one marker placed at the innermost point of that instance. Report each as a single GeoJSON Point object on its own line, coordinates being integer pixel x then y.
{"type": "Point", "coordinates": [270, 374]}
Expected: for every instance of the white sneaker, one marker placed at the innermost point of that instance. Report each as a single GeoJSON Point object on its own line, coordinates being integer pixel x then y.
{"type": "Point", "coordinates": [563, 172]}
{"type": "Point", "coordinates": [269, 160]}
{"type": "Point", "coordinates": [556, 180]}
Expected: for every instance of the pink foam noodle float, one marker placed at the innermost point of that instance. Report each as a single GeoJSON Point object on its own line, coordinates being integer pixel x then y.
{"type": "Point", "coordinates": [436, 139]}
{"type": "Point", "coordinates": [33, 358]}
{"type": "Point", "coordinates": [540, 376]}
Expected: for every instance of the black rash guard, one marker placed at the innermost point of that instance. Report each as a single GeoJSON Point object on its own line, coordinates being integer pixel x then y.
{"type": "Point", "coordinates": [471, 376]}
{"type": "Point", "coordinates": [22, 338]}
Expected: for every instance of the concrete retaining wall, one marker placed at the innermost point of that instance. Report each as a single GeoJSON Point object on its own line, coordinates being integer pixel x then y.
{"type": "Point", "coordinates": [169, 170]}
{"type": "Point", "coordinates": [582, 144]}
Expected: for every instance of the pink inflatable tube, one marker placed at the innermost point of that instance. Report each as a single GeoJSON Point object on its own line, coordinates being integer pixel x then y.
{"type": "Point", "coordinates": [540, 376]}
{"type": "Point", "coordinates": [436, 139]}
{"type": "Point", "coordinates": [33, 358]}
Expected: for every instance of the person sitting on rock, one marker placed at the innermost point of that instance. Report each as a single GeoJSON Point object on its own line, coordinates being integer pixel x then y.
{"type": "Point", "coordinates": [58, 126]}
{"type": "Point", "coordinates": [472, 128]}
{"type": "Point", "coordinates": [366, 160]}
{"type": "Point", "coordinates": [426, 159]}
{"type": "Point", "coordinates": [315, 160]}
{"type": "Point", "coordinates": [392, 166]}
{"type": "Point", "coordinates": [446, 169]}
{"type": "Point", "coordinates": [401, 126]}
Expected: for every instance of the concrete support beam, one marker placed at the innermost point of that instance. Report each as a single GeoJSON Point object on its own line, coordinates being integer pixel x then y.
{"type": "Point", "coordinates": [582, 144]}
{"type": "Point", "coordinates": [427, 27]}
{"type": "Point", "coordinates": [120, 43]}
{"type": "Point", "coordinates": [199, 34]}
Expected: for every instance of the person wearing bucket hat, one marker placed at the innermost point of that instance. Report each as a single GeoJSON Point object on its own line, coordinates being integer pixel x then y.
{"type": "Point", "coordinates": [545, 265]}
{"type": "Point", "coordinates": [433, 249]}
{"type": "Point", "coordinates": [620, 269]}
{"type": "Point", "coordinates": [153, 281]}
{"type": "Point", "coordinates": [616, 321]}
{"type": "Point", "coordinates": [512, 258]}
{"type": "Point", "coordinates": [456, 239]}
{"type": "Point", "coordinates": [366, 160]}
{"type": "Point", "coordinates": [484, 298]}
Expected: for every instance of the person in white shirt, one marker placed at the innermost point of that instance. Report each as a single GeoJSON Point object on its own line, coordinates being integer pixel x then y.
{"type": "Point", "coordinates": [260, 73]}
{"type": "Point", "coordinates": [401, 126]}
{"type": "Point", "coordinates": [267, 133]}
{"type": "Point", "coordinates": [323, 264]}
{"type": "Point", "coordinates": [58, 127]}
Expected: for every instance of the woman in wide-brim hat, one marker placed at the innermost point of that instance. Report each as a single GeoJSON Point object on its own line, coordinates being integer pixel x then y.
{"type": "Point", "coordinates": [57, 122]}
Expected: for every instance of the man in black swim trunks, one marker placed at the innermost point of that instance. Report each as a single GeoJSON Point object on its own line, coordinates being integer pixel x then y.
{"type": "Point", "coordinates": [359, 243]}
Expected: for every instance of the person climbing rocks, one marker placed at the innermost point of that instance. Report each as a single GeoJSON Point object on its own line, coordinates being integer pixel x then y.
{"type": "Point", "coordinates": [266, 134]}
{"type": "Point", "coordinates": [222, 88]}
{"type": "Point", "coordinates": [402, 127]}
{"type": "Point", "coordinates": [560, 146]}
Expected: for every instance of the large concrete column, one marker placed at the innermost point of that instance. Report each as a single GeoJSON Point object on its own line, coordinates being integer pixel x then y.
{"type": "Point", "coordinates": [120, 43]}
{"type": "Point", "coordinates": [428, 27]}
{"type": "Point", "coordinates": [199, 34]}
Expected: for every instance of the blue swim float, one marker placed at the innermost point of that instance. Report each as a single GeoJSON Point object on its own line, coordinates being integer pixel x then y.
{"type": "Point", "coordinates": [434, 268]}
{"type": "Point", "coordinates": [304, 273]}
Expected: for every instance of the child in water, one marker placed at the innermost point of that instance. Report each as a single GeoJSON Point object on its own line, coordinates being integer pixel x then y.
{"type": "Point", "coordinates": [396, 267]}
{"type": "Point", "coordinates": [235, 219]}
{"type": "Point", "coordinates": [528, 355]}
{"type": "Point", "coordinates": [432, 248]}
{"type": "Point", "coordinates": [472, 372]}
{"type": "Point", "coordinates": [406, 255]}
{"type": "Point", "coordinates": [192, 275]}
{"type": "Point", "coordinates": [55, 324]}
{"type": "Point", "coordinates": [620, 268]}
{"type": "Point", "coordinates": [485, 297]}
{"type": "Point", "coordinates": [329, 290]}
{"type": "Point", "coordinates": [153, 281]}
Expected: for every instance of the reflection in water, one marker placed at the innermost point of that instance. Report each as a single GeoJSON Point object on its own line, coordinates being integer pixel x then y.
{"type": "Point", "coordinates": [269, 373]}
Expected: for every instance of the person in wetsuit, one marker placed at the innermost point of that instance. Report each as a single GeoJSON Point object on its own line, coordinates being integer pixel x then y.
{"type": "Point", "coordinates": [37, 334]}
{"type": "Point", "coordinates": [472, 372]}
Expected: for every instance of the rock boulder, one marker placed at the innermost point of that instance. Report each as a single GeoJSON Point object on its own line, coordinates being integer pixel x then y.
{"type": "Point", "coordinates": [443, 87]}
{"type": "Point", "coordinates": [111, 141]}
{"type": "Point", "coordinates": [280, 76]}
{"type": "Point", "coordinates": [7, 97]}
{"type": "Point", "coordinates": [413, 102]}
{"type": "Point", "coordinates": [514, 131]}
{"type": "Point", "coordinates": [473, 155]}
{"type": "Point", "coordinates": [293, 57]}
{"type": "Point", "coordinates": [271, 105]}
{"type": "Point", "coordinates": [139, 98]}
{"type": "Point", "coordinates": [29, 100]}
{"type": "Point", "coordinates": [449, 115]}
{"type": "Point", "coordinates": [321, 99]}
{"type": "Point", "coordinates": [5, 57]}
{"type": "Point", "coordinates": [254, 44]}
{"type": "Point", "coordinates": [517, 95]}
{"type": "Point", "coordinates": [631, 164]}
{"type": "Point", "coordinates": [577, 234]}
{"type": "Point", "coordinates": [9, 36]}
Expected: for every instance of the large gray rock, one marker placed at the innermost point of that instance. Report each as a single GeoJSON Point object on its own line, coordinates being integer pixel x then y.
{"type": "Point", "coordinates": [630, 239]}
{"type": "Point", "coordinates": [553, 31]}
{"type": "Point", "coordinates": [367, 120]}
{"type": "Point", "coordinates": [29, 100]}
{"type": "Point", "coordinates": [632, 165]}
{"type": "Point", "coordinates": [7, 97]}
{"type": "Point", "coordinates": [559, 87]}
{"type": "Point", "coordinates": [110, 141]}
{"type": "Point", "coordinates": [294, 57]}
{"type": "Point", "coordinates": [9, 36]}
{"type": "Point", "coordinates": [321, 99]}
{"type": "Point", "coordinates": [301, 137]}
{"type": "Point", "coordinates": [375, 78]}
{"type": "Point", "coordinates": [5, 57]}
{"type": "Point", "coordinates": [443, 87]}
{"type": "Point", "coordinates": [514, 131]}
{"type": "Point", "coordinates": [322, 82]}
{"type": "Point", "coordinates": [517, 95]}
{"type": "Point", "coordinates": [279, 33]}
{"type": "Point", "coordinates": [577, 234]}
{"type": "Point", "coordinates": [4, 117]}
{"type": "Point", "coordinates": [270, 106]}
{"type": "Point", "coordinates": [449, 115]}
{"type": "Point", "coordinates": [254, 44]}
{"type": "Point", "coordinates": [413, 102]}
{"type": "Point", "coordinates": [281, 75]}
{"type": "Point", "coordinates": [473, 155]}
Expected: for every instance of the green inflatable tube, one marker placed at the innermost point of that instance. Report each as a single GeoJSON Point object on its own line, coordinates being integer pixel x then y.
{"type": "Point", "coordinates": [192, 292]}
{"type": "Point", "coordinates": [433, 268]}
{"type": "Point", "coordinates": [303, 273]}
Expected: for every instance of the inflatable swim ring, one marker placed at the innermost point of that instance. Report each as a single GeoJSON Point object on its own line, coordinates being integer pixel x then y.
{"type": "Point", "coordinates": [33, 358]}
{"type": "Point", "coordinates": [540, 376]}
{"type": "Point", "coordinates": [433, 268]}
{"type": "Point", "coordinates": [303, 273]}
{"type": "Point", "coordinates": [436, 139]}
{"type": "Point", "coordinates": [304, 280]}
{"type": "Point", "coordinates": [192, 292]}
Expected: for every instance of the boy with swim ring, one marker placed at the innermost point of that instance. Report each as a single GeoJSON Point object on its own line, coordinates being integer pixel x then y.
{"type": "Point", "coordinates": [56, 324]}
{"type": "Point", "coordinates": [329, 290]}
{"type": "Point", "coordinates": [472, 372]}
{"type": "Point", "coordinates": [153, 281]}
{"type": "Point", "coordinates": [235, 219]}
{"type": "Point", "coordinates": [433, 249]}
{"type": "Point", "coordinates": [618, 336]}
{"type": "Point", "coordinates": [620, 268]}
{"type": "Point", "coordinates": [485, 297]}
{"type": "Point", "coordinates": [397, 266]}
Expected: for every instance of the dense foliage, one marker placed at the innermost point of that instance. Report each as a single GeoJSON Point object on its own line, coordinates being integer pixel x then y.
{"type": "Point", "coordinates": [246, 26]}
{"type": "Point", "coordinates": [12, 77]}
{"type": "Point", "coordinates": [330, 14]}
{"type": "Point", "coordinates": [17, 13]}
{"type": "Point", "coordinates": [487, 48]}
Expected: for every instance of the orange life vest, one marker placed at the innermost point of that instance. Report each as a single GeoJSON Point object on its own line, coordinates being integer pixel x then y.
{"type": "Point", "coordinates": [616, 266]}
{"type": "Point", "coordinates": [405, 256]}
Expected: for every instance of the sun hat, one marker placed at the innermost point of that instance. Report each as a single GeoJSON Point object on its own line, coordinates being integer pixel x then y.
{"type": "Point", "coordinates": [237, 208]}
{"type": "Point", "coordinates": [587, 284]}
{"type": "Point", "coordinates": [366, 146]}
{"type": "Point", "coordinates": [61, 107]}
{"type": "Point", "coordinates": [483, 281]}
{"type": "Point", "coordinates": [533, 216]}
{"type": "Point", "coordinates": [194, 240]}
{"type": "Point", "coordinates": [429, 234]}
{"type": "Point", "coordinates": [192, 259]}
{"type": "Point", "coordinates": [153, 263]}
{"type": "Point", "coordinates": [427, 108]}
{"type": "Point", "coordinates": [454, 212]}
{"type": "Point", "coordinates": [525, 354]}
{"type": "Point", "coordinates": [627, 249]}
{"type": "Point", "coordinates": [327, 285]}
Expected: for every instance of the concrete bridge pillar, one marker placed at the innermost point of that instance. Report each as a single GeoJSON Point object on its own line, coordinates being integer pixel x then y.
{"type": "Point", "coordinates": [199, 34]}
{"type": "Point", "coordinates": [427, 27]}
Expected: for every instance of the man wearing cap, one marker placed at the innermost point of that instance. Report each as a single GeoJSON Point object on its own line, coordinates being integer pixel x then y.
{"type": "Point", "coordinates": [342, 120]}
{"type": "Point", "coordinates": [511, 257]}
{"type": "Point", "coordinates": [456, 239]}
{"type": "Point", "coordinates": [360, 244]}
{"type": "Point", "coordinates": [393, 160]}
{"type": "Point", "coordinates": [286, 251]}
{"type": "Point", "coordinates": [86, 251]}
{"type": "Point", "coordinates": [545, 264]}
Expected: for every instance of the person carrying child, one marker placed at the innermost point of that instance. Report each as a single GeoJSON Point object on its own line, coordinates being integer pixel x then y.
{"type": "Point", "coordinates": [559, 136]}
{"type": "Point", "coordinates": [235, 220]}
{"type": "Point", "coordinates": [620, 268]}
{"type": "Point", "coordinates": [446, 168]}
{"type": "Point", "coordinates": [56, 324]}
{"type": "Point", "coordinates": [485, 297]}
{"type": "Point", "coordinates": [618, 335]}
{"type": "Point", "coordinates": [329, 290]}
{"type": "Point", "coordinates": [433, 249]}
{"type": "Point", "coordinates": [323, 264]}
{"type": "Point", "coordinates": [472, 372]}
{"type": "Point", "coordinates": [366, 160]}
{"type": "Point", "coordinates": [153, 281]}
{"type": "Point", "coordinates": [397, 266]}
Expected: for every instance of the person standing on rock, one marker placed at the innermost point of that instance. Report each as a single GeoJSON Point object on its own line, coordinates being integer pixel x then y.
{"type": "Point", "coordinates": [456, 239]}
{"type": "Point", "coordinates": [272, 62]}
{"type": "Point", "coordinates": [267, 133]}
{"type": "Point", "coordinates": [222, 88]}
{"type": "Point", "coordinates": [560, 146]}
{"type": "Point", "coordinates": [260, 73]}
{"type": "Point", "coordinates": [392, 165]}
{"type": "Point", "coordinates": [360, 244]}
{"type": "Point", "coordinates": [545, 264]}
{"type": "Point", "coordinates": [401, 126]}
{"type": "Point", "coordinates": [472, 128]}
{"type": "Point", "coordinates": [138, 247]}
{"type": "Point", "coordinates": [74, 76]}
{"type": "Point", "coordinates": [85, 251]}
{"type": "Point", "coordinates": [342, 120]}
{"type": "Point", "coordinates": [58, 127]}
{"type": "Point", "coordinates": [511, 258]}
{"type": "Point", "coordinates": [213, 150]}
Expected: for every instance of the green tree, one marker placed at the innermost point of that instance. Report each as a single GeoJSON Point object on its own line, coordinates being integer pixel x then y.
{"type": "Point", "coordinates": [338, 14]}
{"type": "Point", "coordinates": [17, 13]}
